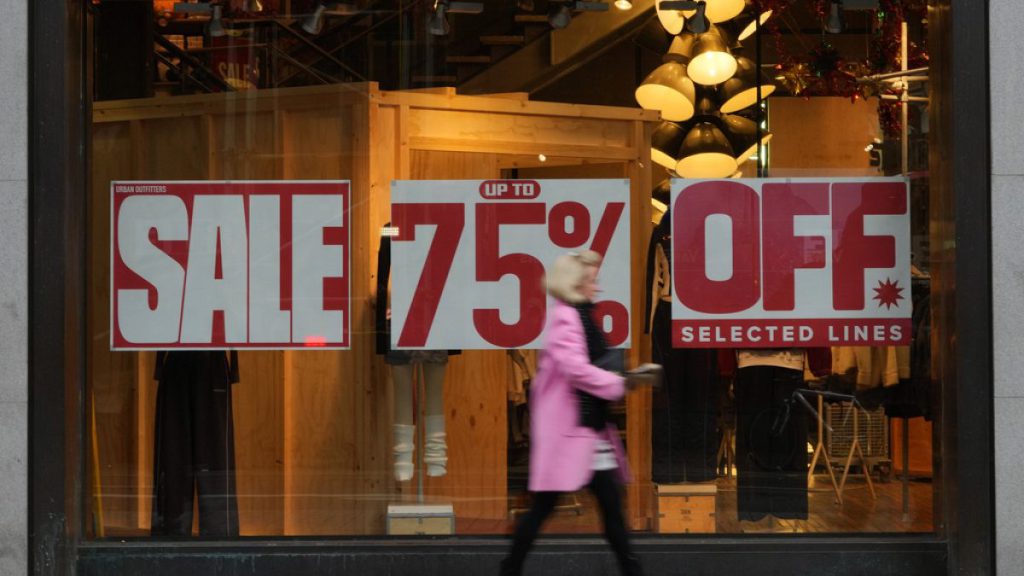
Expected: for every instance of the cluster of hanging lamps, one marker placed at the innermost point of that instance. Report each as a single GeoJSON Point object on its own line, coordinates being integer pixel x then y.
{"type": "Point", "coordinates": [703, 90]}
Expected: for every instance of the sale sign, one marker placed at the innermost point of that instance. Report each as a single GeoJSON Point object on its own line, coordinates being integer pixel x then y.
{"type": "Point", "coordinates": [469, 257]}
{"type": "Point", "coordinates": [774, 263]}
{"type": "Point", "coordinates": [213, 265]}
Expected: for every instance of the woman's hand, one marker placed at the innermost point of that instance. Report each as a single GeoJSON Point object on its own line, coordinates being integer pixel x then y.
{"type": "Point", "coordinates": [647, 374]}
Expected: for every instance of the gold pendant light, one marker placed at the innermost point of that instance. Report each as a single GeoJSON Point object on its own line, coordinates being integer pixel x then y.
{"type": "Point", "coordinates": [666, 142]}
{"type": "Point", "coordinates": [669, 90]}
{"type": "Point", "coordinates": [742, 135]}
{"type": "Point", "coordinates": [710, 60]}
{"type": "Point", "coordinates": [706, 153]}
{"type": "Point", "coordinates": [741, 91]}
{"type": "Point", "coordinates": [723, 10]}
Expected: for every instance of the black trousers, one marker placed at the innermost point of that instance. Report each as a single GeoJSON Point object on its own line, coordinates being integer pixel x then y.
{"type": "Point", "coordinates": [194, 450]}
{"type": "Point", "coordinates": [684, 431]}
{"type": "Point", "coordinates": [606, 489]}
{"type": "Point", "coordinates": [771, 444]}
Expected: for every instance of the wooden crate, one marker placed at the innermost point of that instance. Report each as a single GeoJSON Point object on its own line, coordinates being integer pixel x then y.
{"type": "Point", "coordinates": [418, 519]}
{"type": "Point", "coordinates": [685, 508]}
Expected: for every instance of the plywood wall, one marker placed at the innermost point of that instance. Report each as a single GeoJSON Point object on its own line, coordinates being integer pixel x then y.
{"type": "Point", "coordinates": [313, 428]}
{"type": "Point", "coordinates": [806, 140]}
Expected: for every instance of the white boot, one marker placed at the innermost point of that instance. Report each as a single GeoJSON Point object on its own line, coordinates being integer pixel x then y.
{"type": "Point", "coordinates": [435, 454]}
{"type": "Point", "coordinates": [404, 444]}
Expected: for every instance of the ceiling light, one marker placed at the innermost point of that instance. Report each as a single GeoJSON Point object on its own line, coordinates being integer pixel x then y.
{"type": "Point", "coordinates": [438, 23]}
{"type": "Point", "coordinates": [724, 10]}
{"type": "Point", "coordinates": [742, 135]}
{"type": "Point", "coordinates": [252, 6]}
{"type": "Point", "coordinates": [559, 15]}
{"type": "Point", "coordinates": [741, 90]}
{"type": "Point", "coordinates": [314, 22]}
{"type": "Point", "coordinates": [671, 20]}
{"type": "Point", "coordinates": [834, 24]}
{"type": "Point", "coordinates": [666, 142]}
{"type": "Point", "coordinates": [707, 56]}
{"type": "Point", "coordinates": [623, 4]}
{"type": "Point", "coordinates": [697, 22]}
{"type": "Point", "coordinates": [706, 153]}
{"type": "Point", "coordinates": [710, 60]}
{"type": "Point", "coordinates": [663, 191]}
{"type": "Point", "coordinates": [751, 26]}
{"type": "Point", "coordinates": [669, 90]}
{"type": "Point", "coordinates": [215, 27]}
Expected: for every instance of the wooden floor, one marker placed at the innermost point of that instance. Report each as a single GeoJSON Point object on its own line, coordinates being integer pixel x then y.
{"type": "Point", "coordinates": [859, 512]}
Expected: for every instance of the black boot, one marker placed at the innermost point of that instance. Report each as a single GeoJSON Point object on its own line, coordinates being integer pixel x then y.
{"type": "Point", "coordinates": [508, 568]}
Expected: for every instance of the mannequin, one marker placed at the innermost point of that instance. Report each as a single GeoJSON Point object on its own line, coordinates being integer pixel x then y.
{"type": "Point", "coordinates": [194, 448]}
{"type": "Point", "coordinates": [771, 431]}
{"type": "Point", "coordinates": [684, 439]}
{"type": "Point", "coordinates": [431, 365]}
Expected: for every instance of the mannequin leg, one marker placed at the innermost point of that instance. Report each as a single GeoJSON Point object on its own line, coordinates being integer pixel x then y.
{"type": "Point", "coordinates": [435, 453]}
{"type": "Point", "coordinates": [404, 431]}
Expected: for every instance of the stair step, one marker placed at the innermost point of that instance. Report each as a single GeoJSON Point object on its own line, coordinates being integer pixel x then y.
{"type": "Point", "coordinates": [510, 40]}
{"type": "Point", "coordinates": [484, 59]}
{"type": "Point", "coordinates": [532, 18]}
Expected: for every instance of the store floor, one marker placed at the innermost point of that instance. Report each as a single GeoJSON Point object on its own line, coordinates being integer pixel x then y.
{"type": "Point", "coordinates": [859, 512]}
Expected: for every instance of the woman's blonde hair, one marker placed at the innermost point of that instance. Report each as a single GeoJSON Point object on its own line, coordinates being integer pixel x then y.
{"type": "Point", "coordinates": [566, 276]}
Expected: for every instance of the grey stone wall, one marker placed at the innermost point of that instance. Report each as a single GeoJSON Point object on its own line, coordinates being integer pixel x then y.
{"type": "Point", "coordinates": [14, 290]}
{"type": "Point", "coordinates": [1007, 83]}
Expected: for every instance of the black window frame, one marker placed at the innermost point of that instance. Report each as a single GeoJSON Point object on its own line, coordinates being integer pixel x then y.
{"type": "Point", "coordinates": [59, 119]}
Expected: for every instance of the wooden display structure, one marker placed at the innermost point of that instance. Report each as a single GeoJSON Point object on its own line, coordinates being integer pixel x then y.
{"type": "Point", "coordinates": [313, 428]}
{"type": "Point", "coordinates": [686, 508]}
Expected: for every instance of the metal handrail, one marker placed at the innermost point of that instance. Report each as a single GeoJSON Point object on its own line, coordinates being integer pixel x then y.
{"type": "Point", "coordinates": [193, 62]}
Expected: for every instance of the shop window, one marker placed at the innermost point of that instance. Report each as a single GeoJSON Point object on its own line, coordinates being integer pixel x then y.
{"type": "Point", "coordinates": [216, 436]}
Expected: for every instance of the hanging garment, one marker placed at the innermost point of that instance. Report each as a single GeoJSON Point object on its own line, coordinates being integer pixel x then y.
{"type": "Point", "coordinates": [771, 444]}
{"type": "Point", "coordinates": [684, 423]}
{"type": "Point", "coordinates": [194, 452]}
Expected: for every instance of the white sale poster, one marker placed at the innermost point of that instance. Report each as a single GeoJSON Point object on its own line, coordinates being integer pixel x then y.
{"type": "Point", "coordinates": [769, 263]}
{"type": "Point", "coordinates": [242, 264]}
{"type": "Point", "coordinates": [469, 257]}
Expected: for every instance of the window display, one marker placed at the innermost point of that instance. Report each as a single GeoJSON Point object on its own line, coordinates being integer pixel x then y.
{"type": "Point", "coordinates": [343, 313]}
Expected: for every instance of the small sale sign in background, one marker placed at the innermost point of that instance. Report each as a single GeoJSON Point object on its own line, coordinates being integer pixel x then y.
{"type": "Point", "coordinates": [211, 265]}
{"type": "Point", "coordinates": [790, 262]}
{"type": "Point", "coordinates": [468, 258]}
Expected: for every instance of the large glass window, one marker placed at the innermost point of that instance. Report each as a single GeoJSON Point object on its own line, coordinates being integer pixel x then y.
{"type": "Point", "coordinates": [213, 124]}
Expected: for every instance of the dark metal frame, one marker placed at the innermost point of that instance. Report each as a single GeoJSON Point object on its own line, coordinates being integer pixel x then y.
{"type": "Point", "coordinates": [59, 137]}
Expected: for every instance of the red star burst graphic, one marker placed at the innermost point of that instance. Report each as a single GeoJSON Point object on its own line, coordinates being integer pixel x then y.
{"type": "Point", "coordinates": [888, 293]}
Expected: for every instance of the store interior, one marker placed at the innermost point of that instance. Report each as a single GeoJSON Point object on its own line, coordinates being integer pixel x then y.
{"type": "Point", "coordinates": [373, 91]}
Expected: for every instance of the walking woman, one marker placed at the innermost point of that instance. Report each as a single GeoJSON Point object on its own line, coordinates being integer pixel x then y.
{"type": "Point", "coordinates": [572, 442]}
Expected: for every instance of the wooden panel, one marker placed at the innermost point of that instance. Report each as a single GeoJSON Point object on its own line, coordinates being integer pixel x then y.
{"type": "Point", "coordinates": [805, 143]}
{"type": "Point", "coordinates": [174, 149]}
{"type": "Point", "coordinates": [243, 102]}
{"type": "Point", "coordinates": [512, 106]}
{"type": "Point", "coordinates": [639, 404]}
{"type": "Point", "coordinates": [322, 457]}
{"type": "Point", "coordinates": [331, 446]}
{"type": "Point", "coordinates": [313, 429]}
{"type": "Point", "coordinates": [112, 377]}
{"type": "Point", "coordinates": [259, 442]}
{"type": "Point", "coordinates": [519, 134]}
{"type": "Point", "coordinates": [920, 455]}
{"type": "Point", "coordinates": [370, 181]}
{"type": "Point", "coordinates": [475, 388]}
{"type": "Point", "coordinates": [242, 147]}
{"type": "Point", "coordinates": [317, 144]}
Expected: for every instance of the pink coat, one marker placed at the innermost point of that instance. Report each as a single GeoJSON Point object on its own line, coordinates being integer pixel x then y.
{"type": "Point", "coordinates": [562, 451]}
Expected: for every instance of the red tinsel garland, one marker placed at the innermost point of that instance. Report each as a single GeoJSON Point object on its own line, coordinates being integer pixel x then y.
{"type": "Point", "coordinates": [823, 72]}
